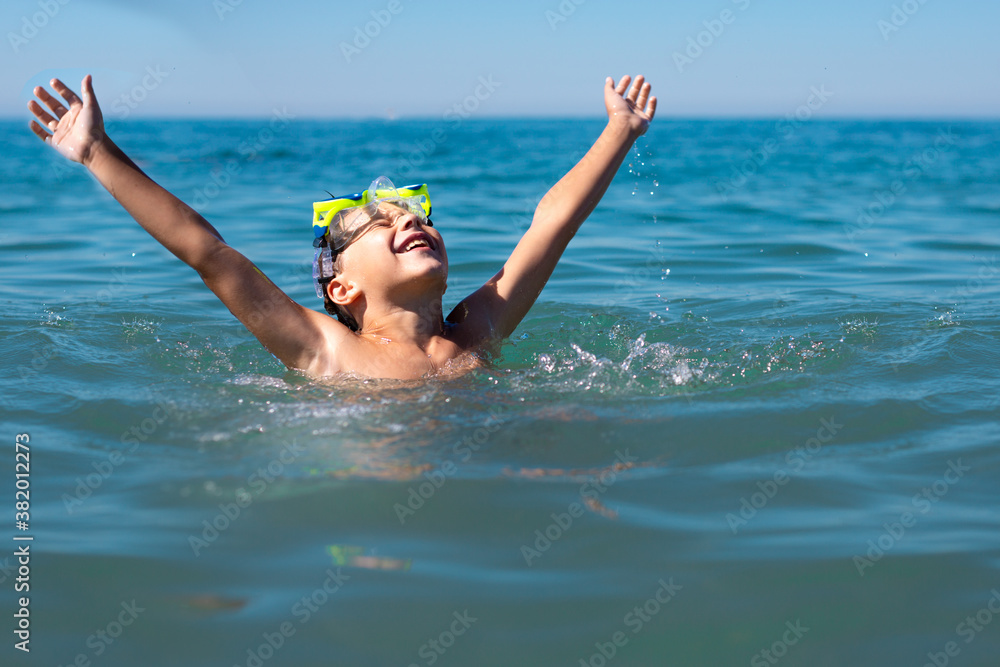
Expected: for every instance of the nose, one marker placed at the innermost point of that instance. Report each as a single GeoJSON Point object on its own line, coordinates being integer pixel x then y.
{"type": "Point", "coordinates": [410, 221]}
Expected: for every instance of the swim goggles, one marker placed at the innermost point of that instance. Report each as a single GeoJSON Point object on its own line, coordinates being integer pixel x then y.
{"type": "Point", "coordinates": [340, 221]}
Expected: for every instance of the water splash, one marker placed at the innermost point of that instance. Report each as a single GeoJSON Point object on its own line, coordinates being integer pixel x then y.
{"type": "Point", "coordinates": [646, 369]}
{"type": "Point", "coordinates": [637, 168]}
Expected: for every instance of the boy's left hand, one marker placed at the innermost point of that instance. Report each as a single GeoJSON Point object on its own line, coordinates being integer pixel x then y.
{"type": "Point", "coordinates": [633, 107]}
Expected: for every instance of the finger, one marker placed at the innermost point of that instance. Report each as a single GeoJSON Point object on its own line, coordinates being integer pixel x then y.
{"type": "Point", "coordinates": [640, 101]}
{"type": "Point", "coordinates": [64, 90]}
{"type": "Point", "coordinates": [41, 114]}
{"type": "Point", "coordinates": [87, 88]}
{"type": "Point", "coordinates": [39, 132]}
{"type": "Point", "coordinates": [623, 84]}
{"type": "Point", "coordinates": [636, 87]}
{"type": "Point", "coordinates": [51, 102]}
{"type": "Point", "coordinates": [651, 107]}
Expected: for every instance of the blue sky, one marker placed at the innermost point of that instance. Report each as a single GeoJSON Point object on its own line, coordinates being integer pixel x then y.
{"type": "Point", "coordinates": [705, 58]}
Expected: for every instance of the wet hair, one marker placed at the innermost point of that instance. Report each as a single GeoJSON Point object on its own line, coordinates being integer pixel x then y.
{"type": "Point", "coordinates": [335, 309]}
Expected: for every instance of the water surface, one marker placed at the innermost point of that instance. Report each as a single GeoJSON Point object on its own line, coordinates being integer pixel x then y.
{"type": "Point", "coordinates": [755, 409]}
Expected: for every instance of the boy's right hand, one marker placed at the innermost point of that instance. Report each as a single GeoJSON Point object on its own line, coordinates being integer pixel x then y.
{"type": "Point", "coordinates": [75, 131]}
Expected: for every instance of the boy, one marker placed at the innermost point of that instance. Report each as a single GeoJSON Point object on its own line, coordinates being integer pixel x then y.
{"type": "Point", "coordinates": [380, 263]}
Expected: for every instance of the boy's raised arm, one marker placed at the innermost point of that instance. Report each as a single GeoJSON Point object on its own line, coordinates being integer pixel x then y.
{"type": "Point", "coordinates": [291, 332]}
{"type": "Point", "coordinates": [496, 308]}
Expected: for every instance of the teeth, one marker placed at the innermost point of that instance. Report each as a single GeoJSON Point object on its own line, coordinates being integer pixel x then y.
{"type": "Point", "coordinates": [416, 244]}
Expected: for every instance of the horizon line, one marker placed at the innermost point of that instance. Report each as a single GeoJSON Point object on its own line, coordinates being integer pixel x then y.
{"type": "Point", "coordinates": [26, 117]}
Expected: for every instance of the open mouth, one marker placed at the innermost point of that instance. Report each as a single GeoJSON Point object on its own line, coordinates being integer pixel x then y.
{"type": "Point", "coordinates": [415, 242]}
{"type": "Point", "coordinates": [419, 243]}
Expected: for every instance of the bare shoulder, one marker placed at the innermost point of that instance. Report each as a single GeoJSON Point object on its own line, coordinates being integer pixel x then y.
{"type": "Point", "coordinates": [471, 323]}
{"type": "Point", "coordinates": [334, 346]}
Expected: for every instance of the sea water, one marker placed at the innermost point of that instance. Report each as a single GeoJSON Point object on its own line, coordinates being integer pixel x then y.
{"type": "Point", "coordinates": [751, 419]}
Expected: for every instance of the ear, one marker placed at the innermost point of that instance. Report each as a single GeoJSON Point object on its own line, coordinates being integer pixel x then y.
{"type": "Point", "coordinates": [342, 292]}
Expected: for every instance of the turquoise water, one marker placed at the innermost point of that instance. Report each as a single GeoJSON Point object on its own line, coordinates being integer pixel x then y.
{"type": "Point", "coordinates": [751, 420]}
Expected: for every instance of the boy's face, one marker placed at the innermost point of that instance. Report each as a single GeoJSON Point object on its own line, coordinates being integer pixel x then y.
{"type": "Point", "coordinates": [398, 255]}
